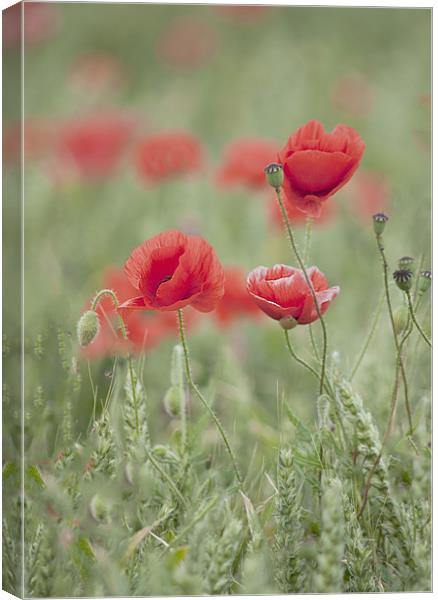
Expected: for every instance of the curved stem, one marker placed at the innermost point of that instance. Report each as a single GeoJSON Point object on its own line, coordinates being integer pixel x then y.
{"type": "Point", "coordinates": [307, 239]}
{"type": "Point", "coordinates": [299, 360]}
{"type": "Point", "coordinates": [416, 323]}
{"type": "Point", "coordinates": [369, 336]}
{"type": "Point", "coordinates": [198, 393]}
{"type": "Point", "coordinates": [309, 283]}
{"type": "Point", "coordinates": [399, 360]}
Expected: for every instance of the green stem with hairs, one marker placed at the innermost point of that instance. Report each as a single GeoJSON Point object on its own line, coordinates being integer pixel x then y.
{"type": "Point", "coordinates": [309, 283]}
{"type": "Point", "coordinates": [416, 323]}
{"type": "Point", "coordinates": [198, 393]}
{"type": "Point", "coordinates": [399, 360]}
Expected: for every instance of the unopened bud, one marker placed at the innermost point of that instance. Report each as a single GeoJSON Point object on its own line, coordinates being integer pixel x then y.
{"type": "Point", "coordinates": [407, 262]}
{"type": "Point", "coordinates": [288, 322]}
{"type": "Point", "coordinates": [99, 509]}
{"type": "Point", "coordinates": [172, 401]}
{"type": "Point", "coordinates": [88, 327]}
{"type": "Point", "coordinates": [401, 317]}
{"type": "Point", "coordinates": [274, 175]}
{"type": "Point", "coordinates": [379, 222]}
{"type": "Point", "coordinates": [424, 281]}
{"type": "Point", "coordinates": [404, 279]}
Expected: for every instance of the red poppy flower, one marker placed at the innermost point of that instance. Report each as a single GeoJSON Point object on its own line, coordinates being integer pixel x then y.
{"type": "Point", "coordinates": [296, 216]}
{"type": "Point", "coordinates": [317, 164]}
{"type": "Point", "coordinates": [236, 301]}
{"type": "Point", "coordinates": [282, 291]}
{"type": "Point", "coordinates": [94, 145]}
{"type": "Point", "coordinates": [188, 42]}
{"type": "Point", "coordinates": [244, 163]}
{"type": "Point", "coordinates": [40, 21]}
{"type": "Point", "coordinates": [173, 270]}
{"type": "Point", "coordinates": [145, 330]}
{"type": "Point", "coordinates": [167, 155]}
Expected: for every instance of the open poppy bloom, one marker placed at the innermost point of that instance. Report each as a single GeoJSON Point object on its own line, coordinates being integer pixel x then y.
{"type": "Point", "coordinates": [317, 164]}
{"type": "Point", "coordinates": [282, 292]}
{"type": "Point", "coordinates": [167, 155]}
{"type": "Point", "coordinates": [244, 163]}
{"type": "Point", "coordinates": [173, 270]}
{"type": "Point", "coordinates": [236, 302]}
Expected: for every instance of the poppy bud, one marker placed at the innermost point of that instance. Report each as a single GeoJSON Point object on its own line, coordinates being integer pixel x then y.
{"type": "Point", "coordinates": [401, 317]}
{"type": "Point", "coordinates": [379, 222]}
{"type": "Point", "coordinates": [288, 322]}
{"type": "Point", "coordinates": [99, 509]}
{"type": "Point", "coordinates": [274, 175]}
{"type": "Point", "coordinates": [172, 401]}
{"type": "Point", "coordinates": [403, 279]}
{"type": "Point", "coordinates": [407, 262]}
{"type": "Point", "coordinates": [424, 281]}
{"type": "Point", "coordinates": [88, 327]}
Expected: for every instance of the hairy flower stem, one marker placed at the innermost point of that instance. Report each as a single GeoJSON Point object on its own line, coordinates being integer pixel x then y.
{"type": "Point", "coordinates": [198, 393]}
{"type": "Point", "coordinates": [307, 239]}
{"type": "Point", "coordinates": [309, 283]}
{"type": "Point", "coordinates": [416, 323]}
{"type": "Point", "coordinates": [122, 326]}
{"type": "Point", "coordinates": [399, 360]}
{"type": "Point", "coordinates": [369, 336]}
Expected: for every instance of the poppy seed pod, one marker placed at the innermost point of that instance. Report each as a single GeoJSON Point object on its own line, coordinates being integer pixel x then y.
{"type": "Point", "coordinates": [403, 278]}
{"type": "Point", "coordinates": [424, 281]}
{"type": "Point", "coordinates": [274, 175]}
{"type": "Point", "coordinates": [88, 327]}
{"type": "Point", "coordinates": [407, 262]}
{"type": "Point", "coordinates": [379, 223]}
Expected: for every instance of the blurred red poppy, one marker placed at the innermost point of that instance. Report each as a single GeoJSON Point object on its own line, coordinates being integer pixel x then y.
{"type": "Point", "coordinates": [97, 72]}
{"type": "Point", "coordinates": [353, 95]}
{"type": "Point", "coordinates": [317, 164]}
{"type": "Point", "coordinates": [168, 155]}
{"type": "Point", "coordinates": [370, 195]}
{"type": "Point", "coordinates": [244, 162]}
{"type": "Point", "coordinates": [236, 302]}
{"type": "Point", "coordinates": [145, 330]}
{"type": "Point", "coordinates": [243, 13]}
{"type": "Point", "coordinates": [296, 216]}
{"type": "Point", "coordinates": [282, 291]}
{"type": "Point", "coordinates": [94, 145]}
{"type": "Point", "coordinates": [173, 270]}
{"type": "Point", "coordinates": [187, 42]}
{"type": "Point", "coordinates": [39, 23]}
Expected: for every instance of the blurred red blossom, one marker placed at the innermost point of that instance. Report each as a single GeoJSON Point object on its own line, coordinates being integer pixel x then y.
{"type": "Point", "coordinates": [187, 42]}
{"type": "Point", "coordinates": [296, 216]}
{"type": "Point", "coordinates": [353, 95]}
{"type": "Point", "coordinates": [282, 292]}
{"type": "Point", "coordinates": [236, 302]}
{"type": "Point", "coordinates": [94, 144]}
{"type": "Point", "coordinates": [167, 155]}
{"type": "Point", "coordinates": [39, 23]}
{"type": "Point", "coordinates": [369, 194]}
{"type": "Point", "coordinates": [97, 72]}
{"type": "Point", "coordinates": [244, 162]}
{"type": "Point", "coordinates": [173, 270]}
{"type": "Point", "coordinates": [243, 13]}
{"type": "Point", "coordinates": [317, 164]}
{"type": "Point", "coordinates": [145, 330]}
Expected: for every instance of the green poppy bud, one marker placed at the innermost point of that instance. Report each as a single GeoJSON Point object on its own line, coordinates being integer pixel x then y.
{"type": "Point", "coordinates": [379, 223]}
{"type": "Point", "coordinates": [401, 318]}
{"type": "Point", "coordinates": [99, 509]}
{"type": "Point", "coordinates": [274, 175]}
{"type": "Point", "coordinates": [288, 322]}
{"type": "Point", "coordinates": [88, 327]}
{"type": "Point", "coordinates": [424, 281]}
{"type": "Point", "coordinates": [172, 401]}
{"type": "Point", "coordinates": [407, 262]}
{"type": "Point", "coordinates": [404, 279]}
